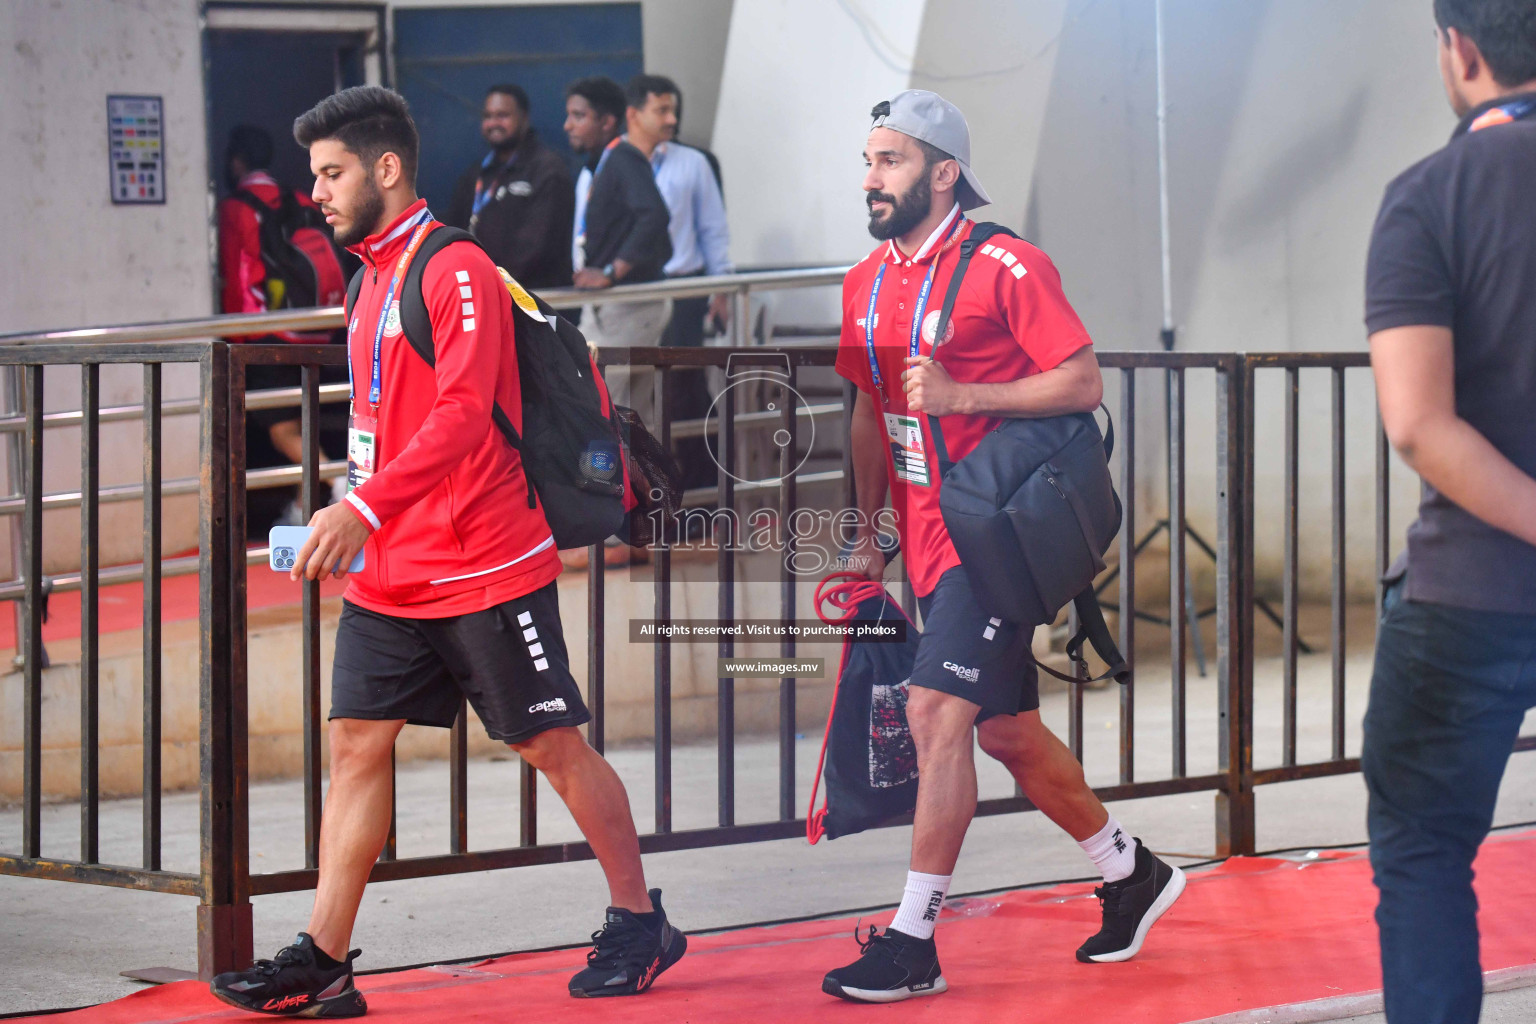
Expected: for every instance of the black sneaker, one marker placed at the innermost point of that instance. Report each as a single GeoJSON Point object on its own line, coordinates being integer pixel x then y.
{"type": "Point", "coordinates": [627, 955]}
{"type": "Point", "coordinates": [1131, 906]}
{"type": "Point", "coordinates": [291, 984]}
{"type": "Point", "coordinates": [890, 968]}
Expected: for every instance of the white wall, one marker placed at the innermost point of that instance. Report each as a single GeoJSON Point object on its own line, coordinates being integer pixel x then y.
{"type": "Point", "coordinates": [75, 259]}
{"type": "Point", "coordinates": [794, 109]}
{"type": "Point", "coordinates": [1287, 119]}
{"type": "Point", "coordinates": [88, 261]}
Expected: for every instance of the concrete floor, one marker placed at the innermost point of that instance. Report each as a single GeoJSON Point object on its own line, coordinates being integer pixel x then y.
{"type": "Point", "coordinates": [1517, 1006]}
{"type": "Point", "coordinates": [64, 944]}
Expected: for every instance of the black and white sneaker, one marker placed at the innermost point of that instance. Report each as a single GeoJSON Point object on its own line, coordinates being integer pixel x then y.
{"type": "Point", "coordinates": [627, 955]}
{"type": "Point", "coordinates": [1131, 907]}
{"type": "Point", "coordinates": [292, 984]}
{"type": "Point", "coordinates": [890, 968]}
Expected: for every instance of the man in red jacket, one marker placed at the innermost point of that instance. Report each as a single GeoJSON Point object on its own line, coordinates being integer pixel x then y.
{"type": "Point", "coordinates": [272, 436]}
{"type": "Point", "coordinates": [458, 594]}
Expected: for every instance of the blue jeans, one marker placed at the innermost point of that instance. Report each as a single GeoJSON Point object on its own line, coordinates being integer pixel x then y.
{"type": "Point", "coordinates": [1448, 694]}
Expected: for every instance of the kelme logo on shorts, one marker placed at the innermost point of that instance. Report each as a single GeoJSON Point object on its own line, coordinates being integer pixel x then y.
{"type": "Point", "coordinates": [558, 704]}
{"type": "Point", "coordinates": [970, 675]}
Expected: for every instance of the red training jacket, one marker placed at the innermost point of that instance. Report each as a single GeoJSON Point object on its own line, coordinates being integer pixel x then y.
{"type": "Point", "coordinates": [448, 502]}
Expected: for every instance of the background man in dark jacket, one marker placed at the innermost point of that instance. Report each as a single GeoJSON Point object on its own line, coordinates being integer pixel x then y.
{"type": "Point", "coordinates": [519, 200]}
{"type": "Point", "coordinates": [620, 232]}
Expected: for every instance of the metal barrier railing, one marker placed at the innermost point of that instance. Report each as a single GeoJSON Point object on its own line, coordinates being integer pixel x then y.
{"type": "Point", "coordinates": [225, 881]}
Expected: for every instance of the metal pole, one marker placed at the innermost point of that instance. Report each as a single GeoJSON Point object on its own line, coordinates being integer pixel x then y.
{"type": "Point", "coordinates": [16, 453]}
{"type": "Point", "coordinates": [1164, 228]}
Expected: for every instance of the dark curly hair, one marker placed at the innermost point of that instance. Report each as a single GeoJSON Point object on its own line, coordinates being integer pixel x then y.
{"type": "Point", "coordinates": [369, 120]}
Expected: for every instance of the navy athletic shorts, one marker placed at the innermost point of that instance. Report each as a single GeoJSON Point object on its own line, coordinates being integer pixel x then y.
{"type": "Point", "coordinates": [972, 655]}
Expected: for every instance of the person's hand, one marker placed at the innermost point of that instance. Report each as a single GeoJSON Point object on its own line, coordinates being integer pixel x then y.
{"type": "Point", "coordinates": [930, 389]}
{"type": "Point", "coordinates": [720, 309]}
{"type": "Point", "coordinates": [865, 557]}
{"type": "Point", "coordinates": [336, 536]}
{"type": "Point", "coordinates": [591, 279]}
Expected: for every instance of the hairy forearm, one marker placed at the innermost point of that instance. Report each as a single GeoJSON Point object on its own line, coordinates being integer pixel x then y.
{"type": "Point", "coordinates": [1057, 392]}
{"type": "Point", "coordinates": [1463, 465]}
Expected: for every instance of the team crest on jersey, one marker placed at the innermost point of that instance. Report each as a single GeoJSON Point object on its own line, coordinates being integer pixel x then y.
{"type": "Point", "coordinates": [931, 325]}
{"type": "Point", "coordinates": [520, 296]}
{"type": "Point", "coordinates": [392, 320]}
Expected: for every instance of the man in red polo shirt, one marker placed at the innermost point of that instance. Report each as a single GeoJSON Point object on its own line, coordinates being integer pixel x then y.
{"type": "Point", "coordinates": [457, 599]}
{"type": "Point", "coordinates": [1013, 348]}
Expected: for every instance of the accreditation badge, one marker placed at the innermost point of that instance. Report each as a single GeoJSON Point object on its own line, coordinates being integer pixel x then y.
{"type": "Point", "coordinates": [908, 454]}
{"type": "Point", "coordinates": [362, 451]}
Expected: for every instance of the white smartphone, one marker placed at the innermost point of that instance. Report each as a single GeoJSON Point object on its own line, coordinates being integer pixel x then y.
{"type": "Point", "coordinates": [284, 544]}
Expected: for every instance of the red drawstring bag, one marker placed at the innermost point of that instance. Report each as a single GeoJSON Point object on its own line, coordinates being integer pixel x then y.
{"type": "Point", "coordinates": [871, 772]}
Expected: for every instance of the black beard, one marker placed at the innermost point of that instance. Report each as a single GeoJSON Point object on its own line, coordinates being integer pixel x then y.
{"type": "Point", "coordinates": [907, 211]}
{"type": "Point", "coordinates": [370, 209]}
{"type": "Point", "coordinates": [511, 143]}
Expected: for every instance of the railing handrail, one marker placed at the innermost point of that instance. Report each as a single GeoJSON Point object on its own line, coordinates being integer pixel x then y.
{"type": "Point", "coordinates": [331, 317]}
{"type": "Point", "coordinates": [226, 882]}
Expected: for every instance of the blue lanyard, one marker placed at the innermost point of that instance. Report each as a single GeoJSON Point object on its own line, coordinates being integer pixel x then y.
{"type": "Point", "coordinates": [482, 194]}
{"type": "Point", "coordinates": [376, 381]}
{"type": "Point", "coordinates": [581, 229]}
{"type": "Point", "coordinates": [1506, 114]}
{"type": "Point", "coordinates": [917, 314]}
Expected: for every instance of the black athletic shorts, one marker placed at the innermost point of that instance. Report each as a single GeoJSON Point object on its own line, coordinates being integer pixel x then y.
{"type": "Point", "coordinates": [509, 661]}
{"type": "Point", "coordinates": [973, 655]}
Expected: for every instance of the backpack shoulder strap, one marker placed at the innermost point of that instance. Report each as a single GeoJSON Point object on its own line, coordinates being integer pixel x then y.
{"type": "Point", "coordinates": [416, 322]}
{"type": "Point", "coordinates": [1092, 629]}
{"type": "Point", "coordinates": [354, 286]}
{"type": "Point", "coordinates": [982, 231]}
{"type": "Point", "coordinates": [414, 319]}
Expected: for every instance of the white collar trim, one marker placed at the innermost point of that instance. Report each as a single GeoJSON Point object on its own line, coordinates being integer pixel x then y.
{"type": "Point", "coordinates": [401, 229]}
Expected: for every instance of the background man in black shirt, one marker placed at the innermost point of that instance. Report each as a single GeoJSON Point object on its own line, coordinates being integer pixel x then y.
{"type": "Point", "coordinates": [620, 233]}
{"type": "Point", "coordinates": [518, 201]}
{"type": "Point", "coordinates": [1451, 307]}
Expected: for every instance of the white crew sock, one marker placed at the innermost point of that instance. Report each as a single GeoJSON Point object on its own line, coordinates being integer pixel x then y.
{"type": "Point", "coordinates": [1112, 851]}
{"type": "Point", "coordinates": [921, 903]}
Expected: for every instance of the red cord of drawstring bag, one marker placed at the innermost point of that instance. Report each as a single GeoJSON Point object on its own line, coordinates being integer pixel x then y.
{"type": "Point", "coordinates": [845, 591]}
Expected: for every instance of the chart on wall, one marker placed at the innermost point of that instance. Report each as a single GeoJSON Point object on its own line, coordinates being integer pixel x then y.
{"type": "Point", "coordinates": [136, 148]}
{"type": "Point", "coordinates": [445, 58]}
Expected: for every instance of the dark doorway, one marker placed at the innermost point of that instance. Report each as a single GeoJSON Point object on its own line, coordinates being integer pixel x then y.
{"type": "Point", "coordinates": [446, 58]}
{"type": "Point", "coordinates": [268, 78]}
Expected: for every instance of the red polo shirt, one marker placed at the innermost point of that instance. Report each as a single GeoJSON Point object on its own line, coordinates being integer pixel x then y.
{"type": "Point", "coordinates": [1010, 321]}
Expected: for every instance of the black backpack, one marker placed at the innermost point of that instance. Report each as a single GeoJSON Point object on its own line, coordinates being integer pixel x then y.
{"type": "Point", "coordinates": [570, 442]}
{"type": "Point", "coordinates": [1032, 510]}
{"type": "Point", "coordinates": [304, 267]}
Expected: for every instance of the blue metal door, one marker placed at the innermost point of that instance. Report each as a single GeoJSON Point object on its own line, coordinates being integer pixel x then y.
{"type": "Point", "coordinates": [445, 58]}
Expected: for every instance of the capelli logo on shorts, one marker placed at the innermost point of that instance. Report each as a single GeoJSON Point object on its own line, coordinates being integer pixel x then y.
{"type": "Point", "coordinates": [558, 704]}
{"type": "Point", "coordinates": [970, 675]}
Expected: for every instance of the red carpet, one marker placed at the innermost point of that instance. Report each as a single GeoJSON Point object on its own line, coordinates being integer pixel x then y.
{"type": "Point", "coordinates": [1251, 933]}
{"type": "Point", "coordinates": [122, 605]}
